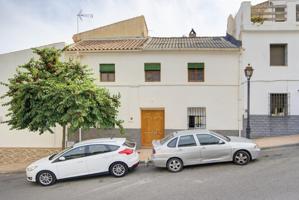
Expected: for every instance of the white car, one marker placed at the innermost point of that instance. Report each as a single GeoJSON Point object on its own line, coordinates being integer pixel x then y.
{"type": "Point", "coordinates": [113, 155]}
{"type": "Point", "coordinates": [192, 147]}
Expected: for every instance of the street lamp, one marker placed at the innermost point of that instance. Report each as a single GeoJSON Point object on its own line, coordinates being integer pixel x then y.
{"type": "Point", "coordinates": [248, 73]}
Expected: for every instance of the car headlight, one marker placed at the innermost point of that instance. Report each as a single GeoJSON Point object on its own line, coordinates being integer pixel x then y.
{"type": "Point", "coordinates": [31, 168]}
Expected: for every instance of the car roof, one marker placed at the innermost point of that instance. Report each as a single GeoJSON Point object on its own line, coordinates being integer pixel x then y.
{"type": "Point", "coordinates": [115, 141]}
{"type": "Point", "coordinates": [193, 131]}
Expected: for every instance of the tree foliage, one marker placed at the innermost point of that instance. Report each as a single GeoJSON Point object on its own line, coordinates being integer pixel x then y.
{"type": "Point", "coordinates": [46, 92]}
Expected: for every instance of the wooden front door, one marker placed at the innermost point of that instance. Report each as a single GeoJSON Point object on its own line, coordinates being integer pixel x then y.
{"type": "Point", "coordinates": [152, 126]}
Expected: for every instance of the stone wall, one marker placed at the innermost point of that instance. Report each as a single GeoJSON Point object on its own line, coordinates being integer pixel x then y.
{"type": "Point", "coordinates": [24, 155]}
{"type": "Point", "coordinates": [265, 125]}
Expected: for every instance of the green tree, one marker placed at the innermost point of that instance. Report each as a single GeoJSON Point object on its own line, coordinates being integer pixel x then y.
{"type": "Point", "coordinates": [47, 92]}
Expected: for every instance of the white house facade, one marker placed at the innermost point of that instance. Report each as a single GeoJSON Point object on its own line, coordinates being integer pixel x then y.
{"type": "Point", "coordinates": [151, 108]}
{"type": "Point", "coordinates": [270, 43]}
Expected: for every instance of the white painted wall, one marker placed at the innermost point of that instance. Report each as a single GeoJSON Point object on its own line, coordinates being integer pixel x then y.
{"type": "Point", "coordinates": [256, 40]}
{"type": "Point", "coordinates": [22, 138]}
{"type": "Point", "coordinates": [219, 92]}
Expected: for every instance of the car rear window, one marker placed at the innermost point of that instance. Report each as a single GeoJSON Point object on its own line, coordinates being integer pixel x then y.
{"type": "Point", "coordinates": [166, 139]}
{"type": "Point", "coordinates": [130, 144]}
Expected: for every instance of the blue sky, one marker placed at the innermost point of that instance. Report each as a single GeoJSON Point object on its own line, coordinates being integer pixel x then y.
{"type": "Point", "coordinates": [29, 23]}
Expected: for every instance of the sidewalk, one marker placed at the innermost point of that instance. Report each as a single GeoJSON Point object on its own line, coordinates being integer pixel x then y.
{"type": "Point", "coordinates": [145, 154]}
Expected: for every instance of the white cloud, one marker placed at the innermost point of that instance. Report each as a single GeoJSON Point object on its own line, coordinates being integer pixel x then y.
{"type": "Point", "coordinates": [26, 24]}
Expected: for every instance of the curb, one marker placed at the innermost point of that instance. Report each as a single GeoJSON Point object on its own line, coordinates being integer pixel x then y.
{"type": "Point", "coordinates": [13, 172]}
{"type": "Point", "coordinates": [280, 146]}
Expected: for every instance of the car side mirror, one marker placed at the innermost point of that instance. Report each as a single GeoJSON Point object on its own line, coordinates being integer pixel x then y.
{"type": "Point", "coordinates": [221, 142]}
{"type": "Point", "coordinates": [61, 158]}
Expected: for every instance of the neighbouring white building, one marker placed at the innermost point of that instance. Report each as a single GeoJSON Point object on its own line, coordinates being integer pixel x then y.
{"type": "Point", "coordinates": [174, 83]}
{"type": "Point", "coordinates": [22, 138]}
{"type": "Point", "coordinates": [269, 33]}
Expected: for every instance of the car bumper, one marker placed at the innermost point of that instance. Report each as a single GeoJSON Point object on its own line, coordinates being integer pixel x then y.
{"type": "Point", "coordinates": [159, 162]}
{"type": "Point", "coordinates": [255, 153]}
{"type": "Point", "coordinates": [31, 175]}
{"type": "Point", "coordinates": [133, 161]}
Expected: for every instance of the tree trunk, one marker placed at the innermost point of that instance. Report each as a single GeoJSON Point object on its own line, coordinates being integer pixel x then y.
{"type": "Point", "coordinates": [63, 136]}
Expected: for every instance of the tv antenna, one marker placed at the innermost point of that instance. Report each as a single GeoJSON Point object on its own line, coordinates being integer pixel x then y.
{"type": "Point", "coordinates": [80, 16]}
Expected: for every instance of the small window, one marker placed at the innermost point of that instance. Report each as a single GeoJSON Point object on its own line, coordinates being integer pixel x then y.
{"type": "Point", "coordinates": [197, 117]}
{"type": "Point", "coordinates": [152, 72]}
{"type": "Point", "coordinates": [78, 152]}
{"type": "Point", "coordinates": [278, 54]}
{"type": "Point", "coordinates": [297, 13]}
{"type": "Point", "coordinates": [187, 141]}
{"type": "Point", "coordinates": [278, 104]}
{"type": "Point", "coordinates": [195, 72]}
{"type": "Point", "coordinates": [206, 139]}
{"type": "Point", "coordinates": [107, 72]}
{"type": "Point", "coordinates": [280, 14]}
{"type": "Point", "coordinates": [172, 143]}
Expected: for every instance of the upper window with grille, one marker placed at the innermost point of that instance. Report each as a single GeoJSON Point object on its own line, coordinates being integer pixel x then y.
{"type": "Point", "coordinates": [280, 14]}
{"type": "Point", "coordinates": [196, 72]}
{"type": "Point", "coordinates": [197, 117]}
{"type": "Point", "coordinates": [107, 72]}
{"type": "Point", "coordinates": [278, 54]}
{"type": "Point", "coordinates": [279, 104]}
{"type": "Point", "coordinates": [297, 13]}
{"type": "Point", "coordinates": [152, 72]}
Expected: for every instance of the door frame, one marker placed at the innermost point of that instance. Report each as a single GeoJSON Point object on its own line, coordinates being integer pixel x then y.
{"type": "Point", "coordinates": [141, 123]}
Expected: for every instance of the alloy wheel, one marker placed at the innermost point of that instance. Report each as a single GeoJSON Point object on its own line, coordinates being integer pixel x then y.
{"type": "Point", "coordinates": [241, 158]}
{"type": "Point", "coordinates": [118, 169]}
{"type": "Point", "coordinates": [46, 178]}
{"type": "Point", "coordinates": [174, 165]}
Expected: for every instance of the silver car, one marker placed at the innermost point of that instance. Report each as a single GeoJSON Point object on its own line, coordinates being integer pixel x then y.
{"type": "Point", "coordinates": [192, 147]}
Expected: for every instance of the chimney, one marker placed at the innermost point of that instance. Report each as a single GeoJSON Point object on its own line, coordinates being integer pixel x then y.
{"type": "Point", "coordinates": [192, 33]}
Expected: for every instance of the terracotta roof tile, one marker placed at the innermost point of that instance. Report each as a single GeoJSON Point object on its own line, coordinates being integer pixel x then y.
{"type": "Point", "coordinates": [188, 43]}
{"type": "Point", "coordinates": [153, 43]}
{"type": "Point", "coordinates": [108, 45]}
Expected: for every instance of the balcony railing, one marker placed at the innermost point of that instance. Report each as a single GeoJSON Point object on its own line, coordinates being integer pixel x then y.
{"type": "Point", "coordinates": [262, 13]}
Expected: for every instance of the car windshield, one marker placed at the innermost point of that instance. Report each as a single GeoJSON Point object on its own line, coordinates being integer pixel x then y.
{"type": "Point", "coordinates": [164, 140]}
{"type": "Point", "coordinates": [54, 156]}
{"type": "Point", "coordinates": [221, 136]}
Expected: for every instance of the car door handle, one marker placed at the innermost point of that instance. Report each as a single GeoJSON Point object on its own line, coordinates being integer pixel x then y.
{"type": "Point", "coordinates": [202, 147]}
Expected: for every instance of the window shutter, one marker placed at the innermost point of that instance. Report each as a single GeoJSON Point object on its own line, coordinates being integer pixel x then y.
{"type": "Point", "coordinates": [196, 65]}
{"type": "Point", "coordinates": [278, 55]}
{"type": "Point", "coordinates": [107, 67]}
{"type": "Point", "coordinates": [152, 67]}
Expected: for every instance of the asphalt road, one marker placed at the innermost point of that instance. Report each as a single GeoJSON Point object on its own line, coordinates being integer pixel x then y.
{"type": "Point", "coordinates": [274, 176]}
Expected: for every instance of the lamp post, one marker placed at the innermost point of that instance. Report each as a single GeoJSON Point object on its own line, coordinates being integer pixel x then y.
{"type": "Point", "coordinates": [248, 73]}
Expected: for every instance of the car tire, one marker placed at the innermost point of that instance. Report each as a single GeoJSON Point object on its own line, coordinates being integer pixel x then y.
{"type": "Point", "coordinates": [241, 157]}
{"type": "Point", "coordinates": [118, 169]}
{"type": "Point", "coordinates": [174, 165]}
{"type": "Point", "coordinates": [46, 178]}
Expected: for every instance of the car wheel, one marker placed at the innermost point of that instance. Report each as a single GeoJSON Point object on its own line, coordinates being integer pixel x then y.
{"type": "Point", "coordinates": [241, 158]}
{"type": "Point", "coordinates": [174, 165]}
{"type": "Point", "coordinates": [46, 178]}
{"type": "Point", "coordinates": [118, 169]}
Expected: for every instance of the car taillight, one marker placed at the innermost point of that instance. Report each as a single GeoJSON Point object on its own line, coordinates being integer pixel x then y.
{"type": "Point", "coordinates": [154, 151]}
{"type": "Point", "coordinates": [126, 151]}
